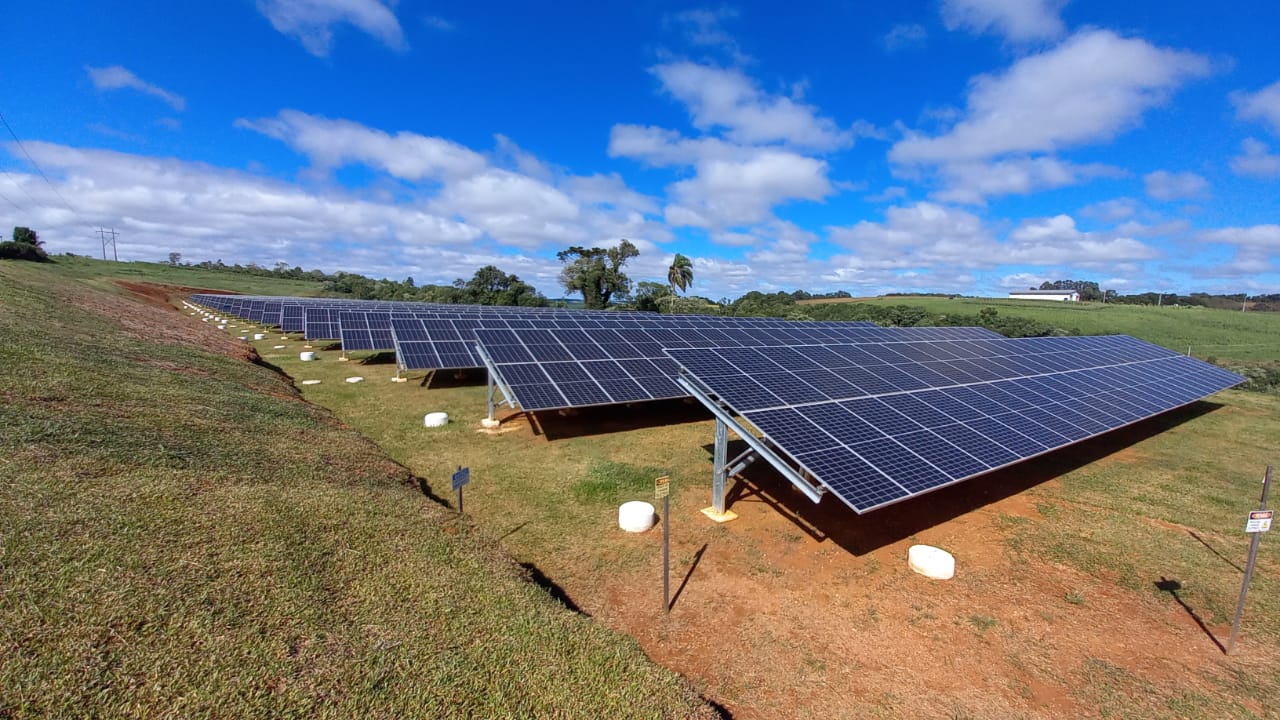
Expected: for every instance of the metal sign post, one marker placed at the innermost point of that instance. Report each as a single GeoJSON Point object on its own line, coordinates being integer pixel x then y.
{"type": "Point", "coordinates": [460, 478]}
{"type": "Point", "coordinates": [1259, 522]}
{"type": "Point", "coordinates": [662, 489]}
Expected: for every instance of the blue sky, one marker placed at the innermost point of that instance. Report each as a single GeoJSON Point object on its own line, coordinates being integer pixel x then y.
{"type": "Point", "coordinates": [970, 146]}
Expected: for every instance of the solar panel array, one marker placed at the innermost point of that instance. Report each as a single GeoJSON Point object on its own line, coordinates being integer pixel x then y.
{"type": "Point", "coordinates": [427, 336]}
{"type": "Point", "coordinates": [878, 423]}
{"type": "Point", "coordinates": [547, 369]}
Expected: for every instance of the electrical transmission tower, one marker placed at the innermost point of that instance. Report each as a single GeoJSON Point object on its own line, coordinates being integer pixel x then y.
{"type": "Point", "coordinates": [108, 237]}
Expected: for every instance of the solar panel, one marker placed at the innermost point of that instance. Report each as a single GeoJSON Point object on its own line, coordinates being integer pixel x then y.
{"type": "Point", "coordinates": [876, 424]}
{"type": "Point", "coordinates": [362, 330]}
{"type": "Point", "coordinates": [320, 323]}
{"type": "Point", "coordinates": [578, 367]}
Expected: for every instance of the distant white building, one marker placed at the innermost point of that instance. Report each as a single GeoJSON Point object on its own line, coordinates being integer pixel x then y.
{"type": "Point", "coordinates": [1059, 295]}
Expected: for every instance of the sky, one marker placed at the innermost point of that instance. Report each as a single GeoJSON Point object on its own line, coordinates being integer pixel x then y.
{"type": "Point", "coordinates": [955, 146]}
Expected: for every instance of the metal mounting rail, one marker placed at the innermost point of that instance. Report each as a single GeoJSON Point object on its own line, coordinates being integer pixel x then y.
{"type": "Point", "coordinates": [495, 380]}
{"type": "Point", "coordinates": [758, 448]}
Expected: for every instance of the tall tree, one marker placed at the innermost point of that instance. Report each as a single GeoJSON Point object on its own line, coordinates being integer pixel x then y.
{"type": "Point", "coordinates": [26, 236]}
{"type": "Point", "coordinates": [491, 286]}
{"type": "Point", "coordinates": [649, 293]}
{"type": "Point", "coordinates": [679, 275]}
{"type": "Point", "coordinates": [596, 272]}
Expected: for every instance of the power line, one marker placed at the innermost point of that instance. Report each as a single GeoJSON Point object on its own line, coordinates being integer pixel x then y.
{"type": "Point", "coordinates": [14, 204]}
{"type": "Point", "coordinates": [21, 187]}
{"type": "Point", "coordinates": [37, 166]}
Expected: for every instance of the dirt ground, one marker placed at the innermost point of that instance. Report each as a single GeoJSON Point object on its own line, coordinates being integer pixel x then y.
{"type": "Point", "coordinates": [797, 610]}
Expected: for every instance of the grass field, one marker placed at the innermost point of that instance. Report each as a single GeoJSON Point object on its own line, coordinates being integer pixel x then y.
{"type": "Point", "coordinates": [182, 536]}
{"type": "Point", "coordinates": [1222, 334]}
{"type": "Point", "coordinates": [95, 271]}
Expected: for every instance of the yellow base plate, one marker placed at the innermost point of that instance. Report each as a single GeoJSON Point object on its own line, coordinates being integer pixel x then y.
{"type": "Point", "coordinates": [723, 517]}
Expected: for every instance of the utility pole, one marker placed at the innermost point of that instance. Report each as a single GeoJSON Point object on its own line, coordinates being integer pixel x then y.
{"type": "Point", "coordinates": [102, 234]}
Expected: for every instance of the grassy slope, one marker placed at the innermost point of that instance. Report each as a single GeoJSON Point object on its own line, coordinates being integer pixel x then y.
{"type": "Point", "coordinates": [181, 536]}
{"type": "Point", "coordinates": [1210, 333]}
{"type": "Point", "coordinates": [93, 270]}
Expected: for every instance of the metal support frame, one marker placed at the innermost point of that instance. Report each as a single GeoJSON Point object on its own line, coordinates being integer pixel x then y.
{"type": "Point", "coordinates": [495, 382]}
{"type": "Point", "coordinates": [757, 449]}
{"type": "Point", "coordinates": [718, 482]}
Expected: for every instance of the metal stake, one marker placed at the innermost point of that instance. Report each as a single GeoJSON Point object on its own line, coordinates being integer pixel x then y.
{"type": "Point", "coordinates": [1248, 568]}
{"type": "Point", "coordinates": [666, 553]}
{"type": "Point", "coordinates": [721, 450]}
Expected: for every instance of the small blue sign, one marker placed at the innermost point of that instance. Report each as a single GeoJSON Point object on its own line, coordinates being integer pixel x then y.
{"type": "Point", "coordinates": [462, 477]}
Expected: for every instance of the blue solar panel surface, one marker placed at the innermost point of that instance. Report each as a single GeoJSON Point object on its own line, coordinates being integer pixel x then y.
{"type": "Point", "coordinates": [365, 330]}
{"type": "Point", "coordinates": [877, 424]}
{"type": "Point", "coordinates": [576, 367]}
{"type": "Point", "coordinates": [321, 323]}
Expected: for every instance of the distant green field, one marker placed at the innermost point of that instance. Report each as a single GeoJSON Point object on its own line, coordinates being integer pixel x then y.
{"type": "Point", "coordinates": [84, 268]}
{"type": "Point", "coordinates": [1222, 334]}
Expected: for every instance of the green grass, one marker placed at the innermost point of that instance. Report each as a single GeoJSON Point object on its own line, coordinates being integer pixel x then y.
{"type": "Point", "coordinates": [1222, 334]}
{"type": "Point", "coordinates": [181, 536]}
{"type": "Point", "coordinates": [612, 482]}
{"type": "Point", "coordinates": [84, 268]}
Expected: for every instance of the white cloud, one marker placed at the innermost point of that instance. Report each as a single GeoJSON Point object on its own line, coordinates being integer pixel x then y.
{"type": "Point", "coordinates": [918, 236]}
{"type": "Point", "coordinates": [312, 21]}
{"type": "Point", "coordinates": [889, 194]}
{"type": "Point", "coordinates": [932, 237]}
{"type": "Point", "coordinates": [514, 209]}
{"type": "Point", "coordinates": [703, 27]}
{"type": "Point", "coordinates": [730, 193]}
{"type": "Point", "coordinates": [1167, 186]}
{"type": "Point", "coordinates": [1088, 89]}
{"type": "Point", "coordinates": [1056, 241]}
{"type": "Point", "coordinates": [1015, 20]}
{"type": "Point", "coordinates": [757, 149]}
{"type": "Point", "coordinates": [1020, 281]}
{"type": "Point", "coordinates": [166, 205]}
{"type": "Point", "coordinates": [119, 78]}
{"type": "Point", "coordinates": [1257, 160]}
{"type": "Point", "coordinates": [973, 182]}
{"type": "Point", "coordinates": [1263, 105]}
{"type": "Point", "coordinates": [1111, 210]}
{"type": "Point", "coordinates": [1256, 251]}
{"type": "Point", "coordinates": [330, 144]}
{"type": "Point", "coordinates": [161, 205]}
{"type": "Point", "coordinates": [725, 98]}
{"type": "Point", "coordinates": [609, 191]}
{"type": "Point", "coordinates": [1258, 237]}
{"type": "Point", "coordinates": [660, 147]}
{"type": "Point", "coordinates": [734, 239]}
{"type": "Point", "coordinates": [905, 35]}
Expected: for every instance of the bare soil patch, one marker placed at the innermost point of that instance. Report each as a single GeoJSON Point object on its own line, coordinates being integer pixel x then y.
{"type": "Point", "coordinates": [153, 318]}
{"type": "Point", "coordinates": [776, 623]}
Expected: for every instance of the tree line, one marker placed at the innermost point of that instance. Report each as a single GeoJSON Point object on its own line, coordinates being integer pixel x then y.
{"type": "Point", "coordinates": [1091, 292]}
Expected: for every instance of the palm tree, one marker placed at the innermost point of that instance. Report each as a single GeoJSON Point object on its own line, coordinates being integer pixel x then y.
{"type": "Point", "coordinates": [679, 275]}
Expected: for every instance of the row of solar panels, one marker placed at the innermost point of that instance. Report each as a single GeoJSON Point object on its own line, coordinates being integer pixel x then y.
{"type": "Point", "coordinates": [878, 425]}
{"type": "Point", "coordinates": [438, 337]}
{"type": "Point", "coordinates": [874, 415]}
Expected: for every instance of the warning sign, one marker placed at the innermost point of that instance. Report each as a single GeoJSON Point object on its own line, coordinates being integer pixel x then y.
{"type": "Point", "coordinates": [662, 487]}
{"type": "Point", "coordinates": [1259, 521]}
